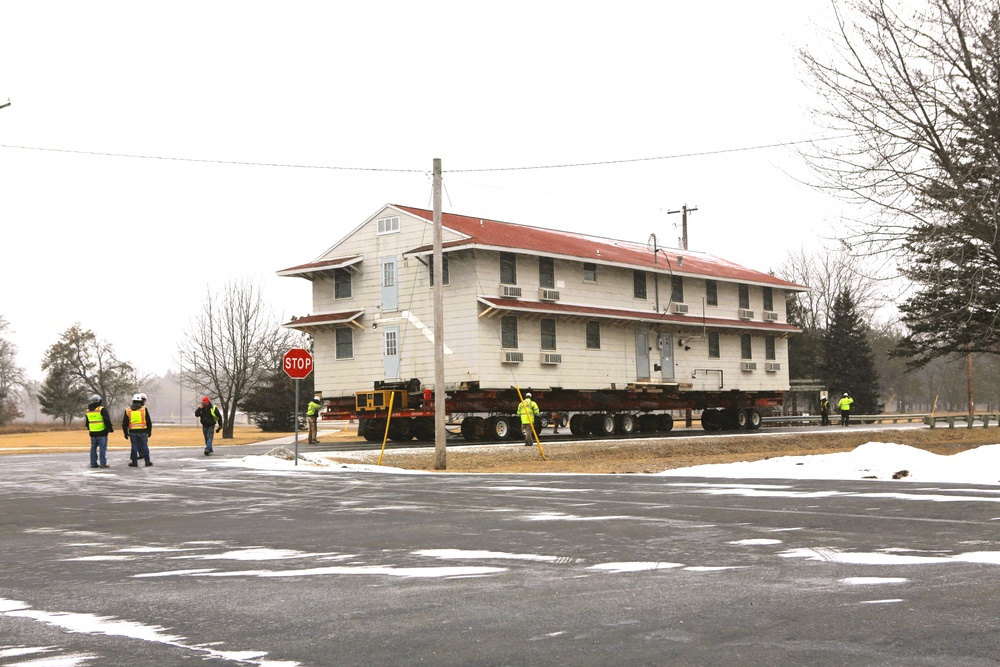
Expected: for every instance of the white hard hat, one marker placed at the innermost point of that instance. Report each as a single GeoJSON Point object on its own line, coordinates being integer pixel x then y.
{"type": "Point", "coordinates": [137, 398]}
{"type": "Point", "coordinates": [528, 395]}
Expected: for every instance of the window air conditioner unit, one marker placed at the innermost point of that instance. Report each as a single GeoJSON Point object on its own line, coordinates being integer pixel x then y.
{"type": "Point", "coordinates": [772, 366]}
{"type": "Point", "coordinates": [681, 308]}
{"type": "Point", "coordinates": [551, 358]}
{"type": "Point", "coordinates": [770, 316]}
{"type": "Point", "coordinates": [748, 365]}
{"type": "Point", "coordinates": [513, 357]}
{"type": "Point", "coordinates": [510, 291]}
{"type": "Point", "coordinates": [548, 294]}
{"type": "Point", "coordinates": [746, 314]}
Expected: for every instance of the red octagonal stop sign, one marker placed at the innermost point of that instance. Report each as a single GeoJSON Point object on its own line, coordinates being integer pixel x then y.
{"type": "Point", "coordinates": [298, 363]}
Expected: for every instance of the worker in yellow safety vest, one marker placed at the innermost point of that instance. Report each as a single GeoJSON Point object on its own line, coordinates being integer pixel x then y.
{"type": "Point", "coordinates": [844, 405]}
{"type": "Point", "coordinates": [99, 426]}
{"type": "Point", "coordinates": [312, 414]}
{"type": "Point", "coordinates": [138, 427]}
{"type": "Point", "coordinates": [528, 411]}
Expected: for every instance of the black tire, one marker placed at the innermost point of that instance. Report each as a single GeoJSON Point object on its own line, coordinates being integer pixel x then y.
{"type": "Point", "coordinates": [423, 429]}
{"type": "Point", "coordinates": [754, 420]}
{"type": "Point", "coordinates": [401, 429]}
{"type": "Point", "coordinates": [371, 430]}
{"type": "Point", "coordinates": [542, 421]}
{"type": "Point", "coordinates": [579, 424]}
{"type": "Point", "coordinates": [711, 420]}
{"type": "Point", "coordinates": [494, 430]}
{"type": "Point", "coordinates": [473, 428]}
{"type": "Point", "coordinates": [664, 422]}
{"type": "Point", "coordinates": [625, 424]}
{"type": "Point", "coordinates": [602, 424]}
{"type": "Point", "coordinates": [739, 419]}
{"type": "Point", "coordinates": [647, 423]}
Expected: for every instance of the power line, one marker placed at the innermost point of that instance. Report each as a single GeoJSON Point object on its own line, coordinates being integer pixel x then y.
{"type": "Point", "coordinates": [571, 165]}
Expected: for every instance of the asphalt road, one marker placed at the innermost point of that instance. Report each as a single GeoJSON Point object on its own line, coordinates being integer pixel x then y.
{"type": "Point", "coordinates": [189, 561]}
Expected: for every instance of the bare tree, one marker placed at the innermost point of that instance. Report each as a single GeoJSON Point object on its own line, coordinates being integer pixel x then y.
{"type": "Point", "coordinates": [231, 346]}
{"type": "Point", "coordinates": [917, 94]}
{"type": "Point", "coordinates": [11, 378]}
{"type": "Point", "coordinates": [829, 274]}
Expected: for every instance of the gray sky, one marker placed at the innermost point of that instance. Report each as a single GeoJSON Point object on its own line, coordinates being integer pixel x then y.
{"type": "Point", "coordinates": [373, 92]}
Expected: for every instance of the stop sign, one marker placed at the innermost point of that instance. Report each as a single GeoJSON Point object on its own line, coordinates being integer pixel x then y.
{"type": "Point", "coordinates": [298, 363]}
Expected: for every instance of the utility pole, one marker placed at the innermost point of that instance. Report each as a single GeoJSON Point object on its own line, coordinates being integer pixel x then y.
{"type": "Point", "coordinates": [440, 450]}
{"type": "Point", "coordinates": [684, 210]}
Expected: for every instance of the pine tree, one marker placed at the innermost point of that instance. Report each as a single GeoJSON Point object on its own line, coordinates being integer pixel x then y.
{"type": "Point", "coordinates": [62, 395]}
{"type": "Point", "coordinates": [848, 363]}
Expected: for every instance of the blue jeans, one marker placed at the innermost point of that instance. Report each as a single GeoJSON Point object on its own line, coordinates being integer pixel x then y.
{"type": "Point", "coordinates": [209, 433]}
{"type": "Point", "coordinates": [140, 445]}
{"type": "Point", "coordinates": [98, 443]}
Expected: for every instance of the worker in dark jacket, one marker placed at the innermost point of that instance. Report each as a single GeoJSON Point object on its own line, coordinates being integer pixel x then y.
{"type": "Point", "coordinates": [138, 427]}
{"type": "Point", "coordinates": [211, 422]}
{"type": "Point", "coordinates": [99, 426]}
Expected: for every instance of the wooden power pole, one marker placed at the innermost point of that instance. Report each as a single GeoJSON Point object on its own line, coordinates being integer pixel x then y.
{"type": "Point", "coordinates": [684, 210]}
{"type": "Point", "coordinates": [440, 450]}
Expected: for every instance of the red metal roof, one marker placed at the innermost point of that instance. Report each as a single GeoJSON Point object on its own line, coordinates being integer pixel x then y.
{"type": "Point", "coordinates": [482, 231]}
{"type": "Point", "coordinates": [633, 315]}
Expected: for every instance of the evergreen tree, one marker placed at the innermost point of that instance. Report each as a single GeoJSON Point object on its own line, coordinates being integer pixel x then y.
{"type": "Point", "coordinates": [805, 349]}
{"type": "Point", "coordinates": [848, 363]}
{"type": "Point", "coordinates": [271, 405]}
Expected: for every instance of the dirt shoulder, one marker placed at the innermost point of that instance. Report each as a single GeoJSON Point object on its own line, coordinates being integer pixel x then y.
{"type": "Point", "coordinates": [654, 455]}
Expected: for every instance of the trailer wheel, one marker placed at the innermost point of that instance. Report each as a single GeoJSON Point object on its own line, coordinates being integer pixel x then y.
{"type": "Point", "coordinates": [401, 430]}
{"type": "Point", "coordinates": [423, 429]}
{"type": "Point", "coordinates": [496, 428]}
{"type": "Point", "coordinates": [711, 420]}
{"type": "Point", "coordinates": [543, 421]}
{"type": "Point", "coordinates": [602, 424]}
{"type": "Point", "coordinates": [371, 430]}
{"type": "Point", "coordinates": [647, 422]}
{"type": "Point", "coordinates": [579, 424]}
{"type": "Point", "coordinates": [736, 419]}
{"type": "Point", "coordinates": [754, 420]}
{"type": "Point", "coordinates": [625, 424]}
{"type": "Point", "coordinates": [664, 422]}
{"type": "Point", "coordinates": [473, 428]}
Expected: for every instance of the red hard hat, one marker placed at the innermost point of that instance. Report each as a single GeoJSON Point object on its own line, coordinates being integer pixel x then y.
{"type": "Point", "coordinates": [205, 400]}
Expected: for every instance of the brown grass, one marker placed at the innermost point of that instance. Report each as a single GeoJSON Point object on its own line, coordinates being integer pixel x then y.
{"type": "Point", "coordinates": [640, 455]}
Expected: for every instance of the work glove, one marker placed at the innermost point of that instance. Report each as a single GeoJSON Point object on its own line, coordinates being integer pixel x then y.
{"type": "Point", "coordinates": [218, 429]}
{"type": "Point", "coordinates": [126, 435]}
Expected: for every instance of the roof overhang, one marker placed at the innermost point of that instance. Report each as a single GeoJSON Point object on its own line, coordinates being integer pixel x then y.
{"type": "Point", "coordinates": [322, 269]}
{"type": "Point", "coordinates": [313, 324]}
{"type": "Point", "coordinates": [496, 306]}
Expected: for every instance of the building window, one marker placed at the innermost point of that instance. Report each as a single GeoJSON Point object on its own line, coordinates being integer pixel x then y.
{"type": "Point", "coordinates": [744, 296]}
{"type": "Point", "coordinates": [388, 274]}
{"type": "Point", "coordinates": [548, 334]}
{"type": "Point", "coordinates": [746, 349]}
{"type": "Point", "coordinates": [546, 273]}
{"type": "Point", "coordinates": [445, 277]}
{"type": "Point", "coordinates": [593, 335]}
{"type": "Point", "coordinates": [711, 293]}
{"type": "Point", "coordinates": [589, 272]}
{"type": "Point", "coordinates": [345, 344]}
{"type": "Point", "coordinates": [769, 348]}
{"type": "Point", "coordinates": [638, 284]}
{"type": "Point", "coordinates": [341, 284]}
{"type": "Point", "coordinates": [508, 332]}
{"type": "Point", "coordinates": [508, 268]}
{"type": "Point", "coordinates": [391, 343]}
{"type": "Point", "coordinates": [713, 345]}
{"type": "Point", "coordinates": [768, 298]}
{"type": "Point", "coordinates": [388, 225]}
{"type": "Point", "coordinates": [677, 289]}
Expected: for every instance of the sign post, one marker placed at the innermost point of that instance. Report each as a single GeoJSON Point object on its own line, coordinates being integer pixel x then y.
{"type": "Point", "coordinates": [298, 364]}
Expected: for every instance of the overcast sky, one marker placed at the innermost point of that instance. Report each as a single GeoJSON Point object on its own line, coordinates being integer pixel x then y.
{"type": "Point", "coordinates": [369, 93]}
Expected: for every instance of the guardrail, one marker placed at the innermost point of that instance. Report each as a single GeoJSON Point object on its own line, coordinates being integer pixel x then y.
{"type": "Point", "coordinates": [835, 419]}
{"type": "Point", "coordinates": [932, 421]}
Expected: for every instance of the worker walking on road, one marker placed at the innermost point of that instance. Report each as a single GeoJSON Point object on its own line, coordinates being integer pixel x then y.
{"type": "Point", "coordinates": [99, 425]}
{"type": "Point", "coordinates": [211, 422]}
{"type": "Point", "coordinates": [824, 412]}
{"type": "Point", "coordinates": [312, 414]}
{"type": "Point", "coordinates": [528, 411]}
{"type": "Point", "coordinates": [844, 405]}
{"type": "Point", "coordinates": [138, 427]}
